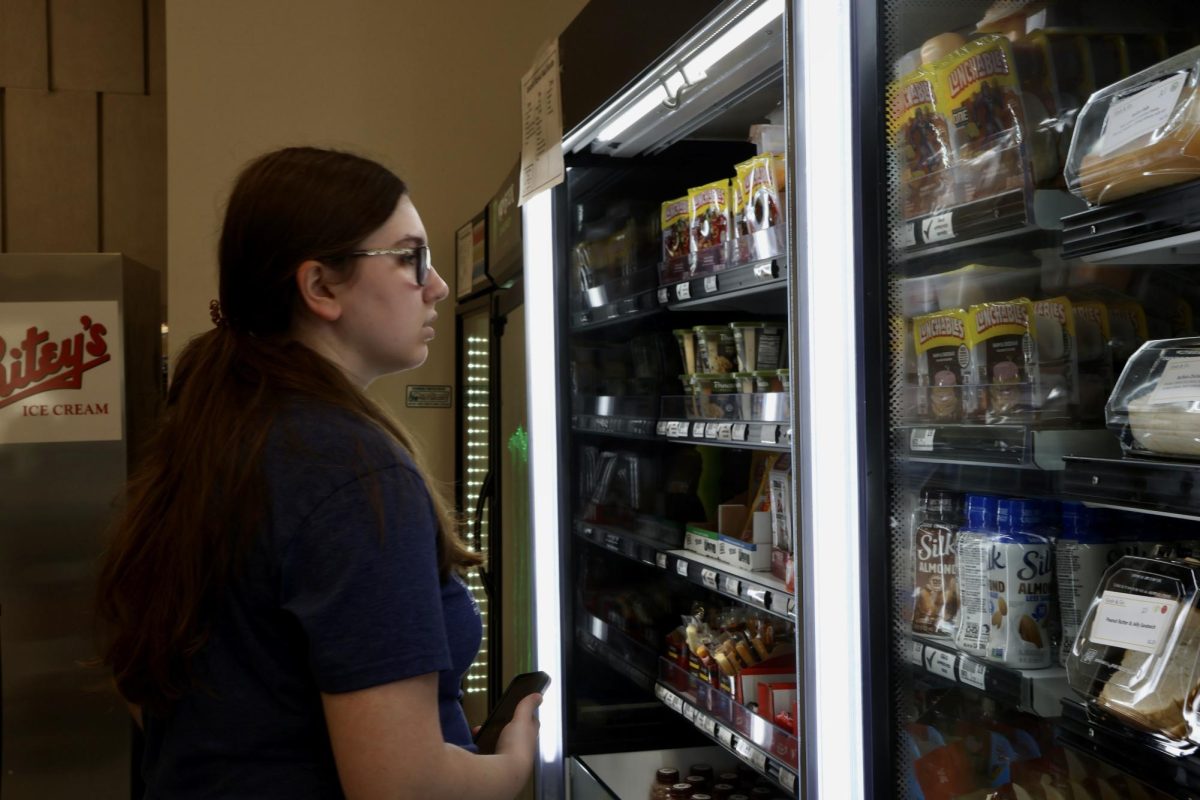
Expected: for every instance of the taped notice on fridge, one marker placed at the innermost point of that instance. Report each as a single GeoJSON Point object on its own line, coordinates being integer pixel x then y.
{"type": "Point", "coordinates": [541, 125]}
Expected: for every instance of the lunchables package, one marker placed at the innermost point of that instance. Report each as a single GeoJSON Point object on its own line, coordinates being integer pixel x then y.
{"type": "Point", "coordinates": [1137, 651]}
{"type": "Point", "coordinates": [921, 140]}
{"type": "Point", "coordinates": [943, 346]}
{"type": "Point", "coordinates": [676, 229]}
{"type": "Point", "coordinates": [978, 92]}
{"type": "Point", "coordinates": [1139, 134]}
{"type": "Point", "coordinates": [1007, 339]}
{"type": "Point", "coordinates": [710, 210]}
{"type": "Point", "coordinates": [757, 194]}
{"type": "Point", "coordinates": [1093, 347]}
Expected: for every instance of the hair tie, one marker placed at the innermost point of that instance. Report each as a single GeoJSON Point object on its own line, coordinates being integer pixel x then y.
{"type": "Point", "coordinates": [214, 311]}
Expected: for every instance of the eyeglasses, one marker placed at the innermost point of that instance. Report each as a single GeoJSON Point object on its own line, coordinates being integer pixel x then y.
{"type": "Point", "coordinates": [417, 257]}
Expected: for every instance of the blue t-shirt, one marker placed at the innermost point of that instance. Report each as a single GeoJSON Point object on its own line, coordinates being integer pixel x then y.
{"type": "Point", "coordinates": [338, 592]}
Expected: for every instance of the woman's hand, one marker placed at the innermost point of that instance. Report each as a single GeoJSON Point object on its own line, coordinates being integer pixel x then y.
{"type": "Point", "coordinates": [518, 740]}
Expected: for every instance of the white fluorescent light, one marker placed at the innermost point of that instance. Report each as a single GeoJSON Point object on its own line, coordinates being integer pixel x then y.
{"type": "Point", "coordinates": [543, 465]}
{"type": "Point", "coordinates": [641, 108]}
{"type": "Point", "coordinates": [697, 67]}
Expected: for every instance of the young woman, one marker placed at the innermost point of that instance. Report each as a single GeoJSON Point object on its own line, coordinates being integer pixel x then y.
{"type": "Point", "coordinates": [281, 598]}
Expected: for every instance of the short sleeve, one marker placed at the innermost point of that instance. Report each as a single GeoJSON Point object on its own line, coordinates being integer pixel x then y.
{"type": "Point", "coordinates": [366, 596]}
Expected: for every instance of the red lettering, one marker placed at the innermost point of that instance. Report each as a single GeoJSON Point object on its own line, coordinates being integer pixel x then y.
{"type": "Point", "coordinates": [40, 365]}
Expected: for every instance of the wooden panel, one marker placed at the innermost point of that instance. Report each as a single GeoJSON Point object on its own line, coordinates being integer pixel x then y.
{"type": "Point", "coordinates": [24, 60]}
{"type": "Point", "coordinates": [133, 177]}
{"type": "Point", "coordinates": [51, 172]}
{"type": "Point", "coordinates": [97, 45]}
{"type": "Point", "coordinates": [156, 46]}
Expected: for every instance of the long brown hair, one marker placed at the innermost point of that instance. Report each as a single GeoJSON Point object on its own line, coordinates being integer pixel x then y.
{"type": "Point", "coordinates": [197, 495]}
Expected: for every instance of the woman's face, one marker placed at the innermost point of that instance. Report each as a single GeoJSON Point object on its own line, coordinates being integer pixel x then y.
{"type": "Point", "coordinates": [387, 319]}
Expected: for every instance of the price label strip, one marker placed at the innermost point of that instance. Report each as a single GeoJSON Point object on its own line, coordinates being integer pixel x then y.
{"type": "Point", "coordinates": [731, 585]}
{"type": "Point", "coordinates": [916, 653]}
{"type": "Point", "coordinates": [683, 291]}
{"type": "Point", "coordinates": [698, 430]}
{"type": "Point", "coordinates": [738, 431]}
{"type": "Point", "coordinates": [681, 568]}
{"type": "Point", "coordinates": [940, 663]}
{"type": "Point", "coordinates": [664, 296]}
{"type": "Point", "coordinates": [724, 736]}
{"type": "Point", "coordinates": [709, 578]}
{"type": "Point", "coordinates": [725, 431]}
{"type": "Point", "coordinates": [921, 440]}
{"type": "Point", "coordinates": [770, 434]}
{"type": "Point", "coordinates": [972, 673]}
{"type": "Point", "coordinates": [710, 284]}
{"type": "Point", "coordinates": [712, 430]}
{"type": "Point", "coordinates": [662, 427]}
{"type": "Point", "coordinates": [661, 560]}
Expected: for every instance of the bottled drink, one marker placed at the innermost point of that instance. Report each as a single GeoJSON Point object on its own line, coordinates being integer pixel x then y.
{"type": "Point", "coordinates": [1082, 556]}
{"type": "Point", "coordinates": [974, 546]}
{"type": "Point", "coordinates": [935, 590]}
{"type": "Point", "coordinates": [1020, 580]}
{"type": "Point", "coordinates": [664, 779]}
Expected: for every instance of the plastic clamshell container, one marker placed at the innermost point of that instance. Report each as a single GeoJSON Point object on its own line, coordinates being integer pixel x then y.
{"type": "Point", "coordinates": [716, 350]}
{"type": "Point", "coordinates": [1139, 134]}
{"type": "Point", "coordinates": [1155, 407]}
{"type": "Point", "coordinates": [1137, 648]}
{"type": "Point", "coordinates": [760, 345]}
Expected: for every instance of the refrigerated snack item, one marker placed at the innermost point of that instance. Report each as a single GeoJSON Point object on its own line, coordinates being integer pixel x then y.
{"type": "Point", "coordinates": [1136, 653]}
{"type": "Point", "coordinates": [716, 395]}
{"type": "Point", "coordinates": [935, 578]}
{"type": "Point", "coordinates": [780, 487]}
{"type": "Point", "coordinates": [1055, 77]}
{"type": "Point", "coordinates": [1020, 588]}
{"type": "Point", "coordinates": [1155, 407]}
{"type": "Point", "coordinates": [944, 347]}
{"type": "Point", "coordinates": [716, 348]}
{"type": "Point", "coordinates": [710, 210]}
{"type": "Point", "coordinates": [676, 228]}
{"type": "Point", "coordinates": [982, 283]}
{"type": "Point", "coordinates": [1006, 360]}
{"type": "Point", "coordinates": [1139, 134]}
{"type": "Point", "coordinates": [759, 345]}
{"type": "Point", "coordinates": [1082, 555]}
{"type": "Point", "coordinates": [974, 547]}
{"type": "Point", "coordinates": [938, 47]}
{"type": "Point", "coordinates": [921, 141]}
{"type": "Point", "coordinates": [757, 194]}
{"type": "Point", "coordinates": [1058, 364]}
{"type": "Point", "coordinates": [977, 93]}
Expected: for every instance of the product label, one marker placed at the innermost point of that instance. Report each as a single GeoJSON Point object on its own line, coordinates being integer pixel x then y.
{"type": "Point", "coordinates": [936, 591]}
{"type": "Point", "coordinates": [1132, 621]}
{"type": "Point", "coordinates": [1141, 113]}
{"type": "Point", "coordinates": [1179, 382]}
{"type": "Point", "coordinates": [974, 621]}
{"type": "Point", "coordinates": [1079, 569]}
{"type": "Point", "coordinates": [1020, 590]}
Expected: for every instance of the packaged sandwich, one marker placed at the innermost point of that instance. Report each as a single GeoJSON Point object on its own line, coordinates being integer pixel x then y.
{"type": "Point", "coordinates": [1136, 652]}
{"type": "Point", "coordinates": [921, 140]}
{"type": "Point", "coordinates": [978, 92]}
{"type": "Point", "coordinates": [1139, 134]}
{"type": "Point", "coordinates": [1155, 408]}
{"type": "Point", "coordinates": [943, 348]}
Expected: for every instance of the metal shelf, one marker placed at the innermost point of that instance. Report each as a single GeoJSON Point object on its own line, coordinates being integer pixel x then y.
{"type": "Point", "coordinates": [622, 311]}
{"type": "Point", "coordinates": [1037, 691]}
{"type": "Point", "coordinates": [1175, 771]}
{"type": "Point", "coordinates": [727, 289]}
{"type": "Point", "coordinates": [1161, 487]}
{"type": "Point", "coordinates": [620, 427]}
{"type": "Point", "coordinates": [1019, 446]}
{"type": "Point", "coordinates": [617, 650]}
{"type": "Point", "coordinates": [1161, 227]}
{"type": "Point", "coordinates": [1002, 221]}
{"type": "Point", "coordinates": [760, 590]}
{"type": "Point", "coordinates": [769, 750]}
{"type": "Point", "coordinates": [776, 436]}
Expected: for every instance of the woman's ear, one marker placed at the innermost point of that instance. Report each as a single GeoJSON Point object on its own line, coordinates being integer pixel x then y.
{"type": "Point", "coordinates": [314, 281]}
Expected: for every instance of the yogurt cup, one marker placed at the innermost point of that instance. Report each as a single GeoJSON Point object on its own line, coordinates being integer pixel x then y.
{"type": "Point", "coordinates": [686, 338]}
{"type": "Point", "coordinates": [716, 350]}
{"type": "Point", "coordinates": [759, 345]}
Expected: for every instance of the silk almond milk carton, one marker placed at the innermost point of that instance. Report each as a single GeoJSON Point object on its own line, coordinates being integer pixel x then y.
{"type": "Point", "coordinates": [943, 350]}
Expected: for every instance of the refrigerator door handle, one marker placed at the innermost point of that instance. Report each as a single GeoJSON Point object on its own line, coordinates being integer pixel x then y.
{"type": "Point", "coordinates": [485, 493]}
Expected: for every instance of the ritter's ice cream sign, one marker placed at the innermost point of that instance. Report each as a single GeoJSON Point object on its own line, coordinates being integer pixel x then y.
{"type": "Point", "coordinates": [61, 372]}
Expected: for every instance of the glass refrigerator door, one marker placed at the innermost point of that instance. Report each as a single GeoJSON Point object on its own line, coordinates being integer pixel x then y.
{"type": "Point", "coordinates": [1032, 240]}
{"type": "Point", "coordinates": [660, 419]}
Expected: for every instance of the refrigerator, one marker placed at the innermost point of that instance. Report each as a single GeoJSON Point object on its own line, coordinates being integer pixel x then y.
{"type": "Point", "coordinates": [1014, 507]}
{"type": "Point", "coordinates": [660, 296]}
{"type": "Point", "coordinates": [491, 434]}
{"type": "Point", "coordinates": [79, 387]}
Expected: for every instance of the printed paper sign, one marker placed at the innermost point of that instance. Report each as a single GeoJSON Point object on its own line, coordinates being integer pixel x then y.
{"type": "Point", "coordinates": [1133, 621]}
{"type": "Point", "coordinates": [62, 372]}
{"type": "Point", "coordinates": [1179, 382]}
{"type": "Point", "coordinates": [428, 396]}
{"type": "Point", "coordinates": [541, 125]}
{"type": "Point", "coordinates": [1140, 113]}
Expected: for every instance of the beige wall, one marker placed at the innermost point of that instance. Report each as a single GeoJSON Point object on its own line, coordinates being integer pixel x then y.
{"type": "Point", "coordinates": [429, 88]}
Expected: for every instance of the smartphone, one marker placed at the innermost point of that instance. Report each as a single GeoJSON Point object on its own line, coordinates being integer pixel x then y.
{"type": "Point", "coordinates": [521, 687]}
